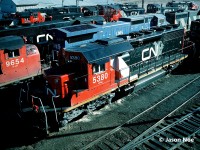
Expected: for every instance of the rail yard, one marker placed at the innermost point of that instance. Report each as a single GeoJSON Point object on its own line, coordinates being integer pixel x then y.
{"type": "Point", "coordinates": [107, 77]}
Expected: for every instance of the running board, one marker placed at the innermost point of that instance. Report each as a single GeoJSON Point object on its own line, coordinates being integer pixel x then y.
{"type": "Point", "coordinates": [149, 79]}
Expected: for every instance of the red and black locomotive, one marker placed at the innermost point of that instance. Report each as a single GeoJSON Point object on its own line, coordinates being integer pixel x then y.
{"type": "Point", "coordinates": [91, 75]}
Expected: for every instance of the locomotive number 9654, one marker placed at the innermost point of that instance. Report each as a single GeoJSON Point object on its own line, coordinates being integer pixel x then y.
{"type": "Point", "coordinates": [14, 62]}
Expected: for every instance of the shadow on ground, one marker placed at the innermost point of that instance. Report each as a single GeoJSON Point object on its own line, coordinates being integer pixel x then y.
{"type": "Point", "coordinates": [188, 66]}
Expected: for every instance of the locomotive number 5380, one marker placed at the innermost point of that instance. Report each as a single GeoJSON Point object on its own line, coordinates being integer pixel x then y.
{"type": "Point", "coordinates": [100, 77]}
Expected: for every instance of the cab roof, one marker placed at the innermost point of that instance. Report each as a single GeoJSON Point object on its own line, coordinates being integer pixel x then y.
{"type": "Point", "coordinates": [102, 50]}
{"type": "Point", "coordinates": [11, 42]}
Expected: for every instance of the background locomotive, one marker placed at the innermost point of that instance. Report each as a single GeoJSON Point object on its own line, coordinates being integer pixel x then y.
{"type": "Point", "coordinates": [59, 13]}
{"type": "Point", "coordinates": [187, 5]}
{"type": "Point", "coordinates": [81, 34]}
{"type": "Point", "coordinates": [184, 18]}
{"type": "Point", "coordinates": [92, 74]}
{"type": "Point", "coordinates": [17, 60]}
{"type": "Point", "coordinates": [176, 13]}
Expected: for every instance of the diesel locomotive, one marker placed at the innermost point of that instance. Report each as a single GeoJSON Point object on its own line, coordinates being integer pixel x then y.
{"type": "Point", "coordinates": [91, 75]}
{"type": "Point", "coordinates": [187, 5]}
{"type": "Point", "coordinates": [177, 12]}
{"type": "Point", "coordinates": [184, 18]}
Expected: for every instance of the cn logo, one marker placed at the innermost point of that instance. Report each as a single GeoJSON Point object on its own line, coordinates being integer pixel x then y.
{"type": "Point", "coordinates": [47, 37]}
{"type": "Point", "coordinates": [154, 51]}
{"type": "Point", "coordinates": [134, 13]}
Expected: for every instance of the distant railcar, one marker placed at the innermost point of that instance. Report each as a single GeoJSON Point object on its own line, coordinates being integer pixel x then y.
{"type": "Point", "coordinates": [110, 12]}
{"type": "Point", "coordinates": [157, 8]}
{"type": "Point", "coordinates": [187, 5]}
{"type": "Point", "coordinates": [131, 9]}
{"type": "Point", "coordinates": [59, 13]}
{"type": "Point", "coordinates": [183, 18]}
{"type": "Point", "coordinates": [153, 8]}
{"type": "Point", "coordinates": [29, 17]}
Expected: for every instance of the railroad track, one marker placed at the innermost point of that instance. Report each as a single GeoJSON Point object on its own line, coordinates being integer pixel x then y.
{"type": "Point", "coordinates": [169, 133]}
{"type": "Point", "coordinates": [135, 127]}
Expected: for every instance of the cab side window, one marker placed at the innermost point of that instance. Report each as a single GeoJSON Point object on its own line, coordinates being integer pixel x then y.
{"type": "Point", "coordinates": [12, 53]}
{"type": "Point", "coordinates": [97, 68]}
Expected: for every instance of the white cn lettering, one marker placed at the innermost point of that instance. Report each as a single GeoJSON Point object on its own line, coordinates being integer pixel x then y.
{"type": "Point", "coordinates": [134, 13]}
{"type": "Point", "coordinates": [149, 51]}
{"type": "Point", "coordinates": [47, 36]}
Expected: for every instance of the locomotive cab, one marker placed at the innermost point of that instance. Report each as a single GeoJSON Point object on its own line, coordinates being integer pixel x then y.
{"type": "Point", "coordinates": [90, 70]}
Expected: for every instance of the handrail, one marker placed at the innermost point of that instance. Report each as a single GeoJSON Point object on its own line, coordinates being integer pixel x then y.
{"type": "Point", "coordinates": [52, 100]}
{"type": "Point", "coordinates": [153, 61]}
{"type": "Point", "coordinates": [55, 107]}
{"type": "Point", "coordinates": [20, 95]}
{"type": "Point", "coordinates": [46, 123]}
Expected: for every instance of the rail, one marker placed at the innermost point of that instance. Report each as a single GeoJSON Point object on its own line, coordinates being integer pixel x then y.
{"type": "Point", "coordinates": [110, 137]}
{"type": "Point", "coordinates": [141, 140]}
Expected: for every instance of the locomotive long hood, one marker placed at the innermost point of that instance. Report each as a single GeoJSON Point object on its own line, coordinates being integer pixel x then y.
{"type": "Point", "coordinates": [80, 29]}
{"type": "Point", "coordinates": [147, 38]}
